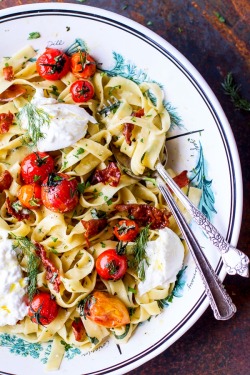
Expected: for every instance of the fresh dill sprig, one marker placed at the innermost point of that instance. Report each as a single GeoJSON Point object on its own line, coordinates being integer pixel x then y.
{"type": "Point", "coordinates": [28, 248]}
{"type": "Point", "coordinates": [139, 250]}
{"type": "Point", "coordinates": [111, 108]}
{"type": "Point", "coordinates": [36, 118]}
{"type": "Point", "coordinates": [233, 90]}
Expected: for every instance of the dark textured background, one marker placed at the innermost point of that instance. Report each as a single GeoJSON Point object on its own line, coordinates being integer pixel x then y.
{"type": "Point", "coordinates": [215, 48]}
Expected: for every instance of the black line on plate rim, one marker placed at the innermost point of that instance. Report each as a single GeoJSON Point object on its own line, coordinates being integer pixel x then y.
{"type": "Point", "coordinates": [178, 64]}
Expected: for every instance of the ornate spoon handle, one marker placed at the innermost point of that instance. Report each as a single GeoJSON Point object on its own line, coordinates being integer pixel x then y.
{"type": "Point", "coordinates": [235, 260]}
{"type": "Point", "coordinates": [221, 303]}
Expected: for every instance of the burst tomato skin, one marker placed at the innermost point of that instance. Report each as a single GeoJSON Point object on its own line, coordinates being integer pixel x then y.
{"type": "Point", "coordinates": [43, 309]}
{"type": "Point", "coordinates": [36, 166]}
{"type": "Point", "coordinates": [106, 310]}
{"type": "Point", "coordinates": [126, 230]}
{"type": "Point", "coordinates": [30, 196]}
{"type": "Point", "coordinates": [59, 192]}
{"type": "Point", "coordinates": [110, 265]}
{"type": "Point", "coordinates": [53, 64]}
{"type": "Point", "coordinates": [82, 91]}
{"type": "Point", "coordinates": [82, 65]}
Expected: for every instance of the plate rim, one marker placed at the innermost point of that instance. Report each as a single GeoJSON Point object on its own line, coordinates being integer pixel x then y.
{"type": "Point", "coordinates": [224, 127]}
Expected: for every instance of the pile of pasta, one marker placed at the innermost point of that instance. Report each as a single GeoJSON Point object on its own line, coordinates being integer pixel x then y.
{"type": "Point", "coordinates": [70, 252]}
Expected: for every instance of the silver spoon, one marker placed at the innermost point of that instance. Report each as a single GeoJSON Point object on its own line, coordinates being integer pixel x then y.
{"type": "Point", "coordinates": [220, 302]}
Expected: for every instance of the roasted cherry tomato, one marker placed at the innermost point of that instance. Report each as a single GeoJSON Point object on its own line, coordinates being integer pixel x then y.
{"type": "Point", "coordinates": [82, 65]}
{"type": "Point", "coordinates": [106, 310]}
{"type": "Point", "coordinates": [36, 167]}
{"type": "Point", "coordinates": [126, 230]}
{"type": "Point", "coordinates": [110, 265]}
{"type": "Point", "coordinates": [82, 91]}
{"type": "Point", "coordinates": [59, 192]}
{"type": "Point", "coordinates": [43, 309]}
{"type": "Point", "coordinates": [53, 64]}
{"type": "Point", "coordinates": [30, 196]}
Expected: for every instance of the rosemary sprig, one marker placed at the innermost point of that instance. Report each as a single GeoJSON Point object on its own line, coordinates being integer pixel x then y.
{"type": "Point", "coordinates": [28, 248]}
{"type": "Point", "coordinates": [36, 118]}
{"type": "Point", "coordinates": [233, 90]}
{"type": "Point", "coordinates": [139, 250]}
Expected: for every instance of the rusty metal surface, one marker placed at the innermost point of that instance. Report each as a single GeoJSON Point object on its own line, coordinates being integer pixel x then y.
{"type": "Point", "coordinates": [215, 48]}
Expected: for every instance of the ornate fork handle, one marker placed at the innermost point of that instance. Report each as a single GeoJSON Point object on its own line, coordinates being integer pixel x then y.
{"type": "Point", "coordinates": [221, 303]}
{"type": "Point", "coordinates": [235, 260]}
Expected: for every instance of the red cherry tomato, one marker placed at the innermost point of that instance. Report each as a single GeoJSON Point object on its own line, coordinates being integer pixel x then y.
{"type": "Point", "coordinates": [36, 167]}
{"type": "Point", "coordinates": [82, 91]}
{"type": "Point", "coordinates": [82, 65]}
{"type": "Point", "coordinates": [30, 196]}
{"type": "Point", "coordinates": [110, 265]}
{"type": "Point", "coordinates": [59, 192]}
{"type": "Point", "coordinates": [106, 310]}
{"type": "Point", "coordinates": [53, 64]}
{"type": "Point", "coordinates": [43, 309]}
{"type": "Point", "coordinates": [126, 230]}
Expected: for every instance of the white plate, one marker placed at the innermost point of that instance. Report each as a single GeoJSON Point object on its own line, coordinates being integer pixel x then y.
{"type": "Point", "coordinates": [202, 139]}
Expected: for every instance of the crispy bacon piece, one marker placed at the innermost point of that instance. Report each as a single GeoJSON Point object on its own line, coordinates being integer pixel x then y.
{"type": "Point", "coordinates": [5, 180]}
{"type": "Point", "coordinates": [11, 93]}
{"type": "Point", "coordinates": [8, 73]}
{"type": "Point", "coordinates": [6, 120]}
{"type": "Point", "coordinates": [145, 214]}
{"type": "Point", "coordinates": [78, 329]}
{"type": "Point", "coordinates": [128, 127]}
{"type": "Point", "coordinates": [52, 273]}
{"type": "Point", "coordinates": [93, 227]}
{"type": "Point", "coordinates": [16, 210]}
{"type": "Point", "coordinates": [110, 175]}
{"type": "Point", "coordinates": [181, 179]}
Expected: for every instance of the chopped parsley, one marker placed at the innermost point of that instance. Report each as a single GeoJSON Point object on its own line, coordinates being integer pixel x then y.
{"type": "Point", "coordinates": [82, 186]}
{"type": "Point", "coordinates": [34, 35]}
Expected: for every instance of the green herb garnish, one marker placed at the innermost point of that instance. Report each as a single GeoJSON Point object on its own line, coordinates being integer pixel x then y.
{"type": "Point", "coordinates": [82, 186]}
{"type": "Point", "coordinates": [123, 335]}
{"type": "Point", "coordinates": [35, 118]}
{"type": "Point", "coordinates": [98, 214]}
{"type": "Point", "coordinates": [79, 151]}
{"type": "Point", "coordinates": [34, 35]}
{"type": "Point", "coordinates": [233, 90]}
{"type": "Point", "coordinates": [220, 17]}
{"type": "Point", "coordinates": [111, 108]}
{"type": "Point", "coordinates": [29, 249]}
{"type": "Point", "coordinates": [139, 250]}
{"type": "Point", "coordinates": [93, 340]}
{"type": "Point", "coordinates": [66, 346]}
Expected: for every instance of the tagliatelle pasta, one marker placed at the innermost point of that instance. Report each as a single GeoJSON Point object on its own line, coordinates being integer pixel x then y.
{"type": "Point", "coordinates": [118, 102]}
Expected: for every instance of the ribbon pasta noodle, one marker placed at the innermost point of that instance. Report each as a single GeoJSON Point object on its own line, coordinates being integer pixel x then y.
{"type": "Point", "coordinates": [62, 235]}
